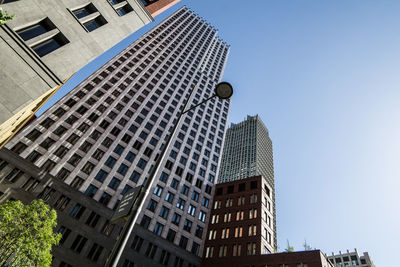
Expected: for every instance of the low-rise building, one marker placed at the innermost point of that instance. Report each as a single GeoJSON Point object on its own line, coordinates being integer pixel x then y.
{"type": "Point", "coordinates": [351, 259]}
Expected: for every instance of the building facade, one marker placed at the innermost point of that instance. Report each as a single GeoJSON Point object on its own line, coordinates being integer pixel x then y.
{"type": "Point", "coordinates": [48, 41]}
{"type": "Point", "coordinates": [155, 7]}
{"type": "Point", "coordinates": [247, 153]}
{"type": "Point", "coordinates": [241, 221]}
{"type": "Point", "coordinates": [351, 259]}
{"type": "Point", "coordinates": [103, 137]}
{"type": "Point", "coordinates": [313, 258]}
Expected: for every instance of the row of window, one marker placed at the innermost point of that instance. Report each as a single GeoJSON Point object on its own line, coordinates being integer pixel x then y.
{"type": "Point", "coordinates": [88, 16]}
{"type": "Point", "coordinates": [240, 201]}
{"type": "Point", "coordinates": [237, 232]}
{"type": "Point", "coordinates": [234, 250]}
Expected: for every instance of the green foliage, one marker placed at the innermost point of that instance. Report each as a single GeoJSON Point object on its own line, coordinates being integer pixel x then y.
{"type": "Point", "coordinates": [4, 16]}
{"type": "Point", "coordinates": [306, 246]}
{"type": "Point", "coordinates": [289, 248]}
{"type": "Point", "coordinates": [26, 233]}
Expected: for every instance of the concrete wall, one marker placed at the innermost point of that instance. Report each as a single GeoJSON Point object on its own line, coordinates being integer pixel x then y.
{"type": "Point", "coordinates": [21, 70]}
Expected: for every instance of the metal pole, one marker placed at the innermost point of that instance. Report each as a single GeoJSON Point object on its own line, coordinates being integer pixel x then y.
{"type": "Point", "coordinates": [123, 238]}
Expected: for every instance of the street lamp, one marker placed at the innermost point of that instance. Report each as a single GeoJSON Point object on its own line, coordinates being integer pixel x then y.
{"type": "Point", "coordinates": [223, 90]}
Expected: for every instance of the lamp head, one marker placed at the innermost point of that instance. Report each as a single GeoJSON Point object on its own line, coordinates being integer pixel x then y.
{"type": "Point", "coordinates": [224, 90]}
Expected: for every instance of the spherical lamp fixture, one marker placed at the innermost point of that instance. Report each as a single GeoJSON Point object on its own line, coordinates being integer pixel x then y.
{"type": "Point", "coordinates": [224, 90]}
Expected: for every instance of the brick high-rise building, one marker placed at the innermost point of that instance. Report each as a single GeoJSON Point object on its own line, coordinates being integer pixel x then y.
{"type": "Point", "coordinates": [247, 153]}
{"type": "Point", "coordinates": [103, 137]}
{"type": "Point", "coordinates": [156, 7]}
{"type": "Point", "coordinates": [241, 221]}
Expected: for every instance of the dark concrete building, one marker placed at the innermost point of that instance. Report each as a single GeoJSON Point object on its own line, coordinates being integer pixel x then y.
{"type": "Point", "coordinates": [103, 137]}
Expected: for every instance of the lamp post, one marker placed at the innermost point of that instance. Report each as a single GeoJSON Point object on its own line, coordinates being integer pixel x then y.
{"type": "Point", "coordinates": [223, 90]}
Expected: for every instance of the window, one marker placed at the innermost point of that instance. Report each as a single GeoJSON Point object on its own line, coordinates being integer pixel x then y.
{"type": "Point", "coordinates": [93, 219]}
{"type": "Point", "coordinates": [114, 183]}
{"type": "Point", "coordinates": [158, 228]}
{"type": "Point", "coordinates": [251, 248]}
{"type": "Point", "coordinates": [142, 163]}
{"type": "Point", "coordinates": [174, 183]}
{"type": "Point", "coordinates": [39, 31]}
{"type": "Point", "coordinates": [104, 199]}
{"type": "Point", "coordinates": [119, 149]}
{"type": "Point", "coordinates": [91, 191]}
{"type": "Point", "coordinates": [77, 183]}
{"type": "Point", "coordinates": [77, 211]}
{"type": "Point", "coordinates": [61, 203]}
{"type": "Point", "coordinates": [214, 218]}
{"type": "Point", "coordinates": [145, 221]}
{"type": "Point", "coordinates": [95, 252]}
{"type": "Point", "coordinates": [164, 257]}
{"type": "Point", "coordinates": [237, 249]}
{"type": "Point", "coordinates": [223, 251]}
{"type": "Point", "coordinates": [101, 175]}
{"type": "Point", "coordinates": [151, 250]}
{"type": "Point", "coordinates": [152, 205]}
{"type": "Point", "coordinates": [158, 190]}
{"type": "Point", "coordinates": [253, 199]}
{"type": "Point", "coordinates": [33, 156]}
{"type": "Point", "coordinates": [209, 252]}
{"type": "Point", "coordinates": [137, 243]}
{"type": "Point", "coordinates": [187, 226]}
{"type": "Point", "coordinates": [78, 243]}
{"type": "Point", "coordinates": [65, 233]}
{"type": "Point", "coordinates": [195, 196]}
{"type": "Point", "coordinates": [252, 230]}
{"type": "Point", "coordinates": [130, 156]}
{"type": "Point", "coordinates": [135, 176]}
{"type": "Point", "coordinates": [169, 197]}
{"type": "Point", "coordinates": [202, 216]}
{"type": "Point", "coordinates": [110, 162]}
{"type": "Point", "coordinates": [252, 213]}
{"type": "Point", "coordinates": [171, 235]}
{"type": "Point", "coordinates": [164, 212]}
{"type": "Point", "coordinates": [180, 204]}
{"type": "Point", "coordinates": [195, 248]}
{"type": "Point", "coordinates": [238, 231]}
{"type": "Point", "coordinates": [122, 169]}
{"type": "Point", "coordinates": [205, 202]}
{"type": "Point", "coordinates": [183, 242]}
{"type": "Point", "coordinates": [93, 23]}
{"type": "Point", "coordinates": [225, 233]}
{"type": "Point", "coordinates": [199, 231]}
{"type": "Point", "coordinates": [185, 190]}
{"type": "Point", "coordinates": [191, 210]}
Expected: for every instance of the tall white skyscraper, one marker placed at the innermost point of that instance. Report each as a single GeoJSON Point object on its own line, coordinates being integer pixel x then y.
{"type": "Point", "coordinates": [103, 137]}
{"type": "Point", "coordinates": [248, 153]}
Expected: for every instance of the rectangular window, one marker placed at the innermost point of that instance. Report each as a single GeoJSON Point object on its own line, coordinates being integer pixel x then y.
{"type": "Point", "coordinates": [43, 44]}
{"type": "Point", "coordinates": [96, 20]}
{"type": "Point", "coordinates": [137, 243]}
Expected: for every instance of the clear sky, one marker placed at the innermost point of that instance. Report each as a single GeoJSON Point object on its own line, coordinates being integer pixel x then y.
{"type": "Point", "coordinates": [324, 77]}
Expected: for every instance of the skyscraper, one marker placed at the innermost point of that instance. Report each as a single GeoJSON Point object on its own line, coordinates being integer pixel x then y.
{"type": "Point", "coordinates": [103, 137]}
{"type": "Point", "coordinates": [248, 153]}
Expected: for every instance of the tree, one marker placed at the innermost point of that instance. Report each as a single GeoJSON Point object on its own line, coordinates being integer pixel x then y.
{"type": "Point", "coordinates": [26, 233]}
{"type": "Point", "coordinates": [289, 248]}
{"type": "Point", "coordinates": [4, 16]}
{"type": "Point", "coordinates": [307, 246]}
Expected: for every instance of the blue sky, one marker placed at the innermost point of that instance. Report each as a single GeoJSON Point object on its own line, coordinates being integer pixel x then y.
{"type": "Point", "coordinates": [324, 77]}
